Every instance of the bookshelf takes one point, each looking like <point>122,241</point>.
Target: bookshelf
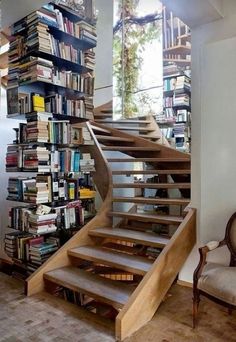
<point>50,88</point>
<point>175,120</point>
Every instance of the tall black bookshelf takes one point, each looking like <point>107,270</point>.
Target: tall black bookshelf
<point>50,86</point>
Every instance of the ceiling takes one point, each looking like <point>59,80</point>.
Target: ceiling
<point>196,12</point>
<point>13,10</point>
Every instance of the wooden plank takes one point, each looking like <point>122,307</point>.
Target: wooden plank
<point>154,200</point>
<point>130,128</point>
<point>147,160</point>
<point>150,292</point>
<point>165,219</point>
<point>99,129</point>
<point>105,290</point>
<point>146,239</point>
<point>145,136</point>
<point>103,115</point>
<point>123,261</point>
<point>152,185</point>
<point>111,138</point>
<point>130,148</point>
<point>125,121</point>
<point>152,172</point>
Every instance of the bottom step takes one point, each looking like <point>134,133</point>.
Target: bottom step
<point>105,290</point>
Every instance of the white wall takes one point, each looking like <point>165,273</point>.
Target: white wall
<point>103,70</point>
<point>213,131</point>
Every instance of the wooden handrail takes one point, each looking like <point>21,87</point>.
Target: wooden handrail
<point>151,290</point>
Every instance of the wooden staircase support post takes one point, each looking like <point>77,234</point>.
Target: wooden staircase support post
<point>149,294</point>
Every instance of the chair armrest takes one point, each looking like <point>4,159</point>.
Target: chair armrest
<point>210,246</point>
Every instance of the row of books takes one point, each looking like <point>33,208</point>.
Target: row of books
<point>67,216</point>
<point>24,102</point>
<point>44,159</point>
<point>176,100</point>
<point>41,127</point>
<point>53,17</point>
<point>34,250</point>
<point>182,82</point>
<point>34,69</point>
<point>44,188</point>
<point>171,116</point>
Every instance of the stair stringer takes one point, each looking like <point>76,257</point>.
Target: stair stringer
<point>150,292</point>
<point>103,181</point>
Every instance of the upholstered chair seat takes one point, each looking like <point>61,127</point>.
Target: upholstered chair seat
<point>219,281</point>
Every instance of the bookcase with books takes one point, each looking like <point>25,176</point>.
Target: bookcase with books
<point>50,87</point>
<point>175,120</point>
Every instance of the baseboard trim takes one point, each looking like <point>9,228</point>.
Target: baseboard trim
<point>184,283</point>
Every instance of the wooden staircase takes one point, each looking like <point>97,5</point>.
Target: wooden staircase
<point>144,127</point>
<point>121,239</point>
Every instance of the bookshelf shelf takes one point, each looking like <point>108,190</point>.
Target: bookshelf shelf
<point>53,193</point>
<point>182,62</point>
<point>58,61</point>
<point>72,93</point>
<point>178,49</point>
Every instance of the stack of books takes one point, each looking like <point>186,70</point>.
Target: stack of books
<point>86,32</point>
<point>16,49</point>
<point>36,159</point>
<point>18,218</point>
<point>11,244</point>
<point>42,224</point>
<point>39,253</point>
<point>13,158</point>
<point>181,100</point>
<point>15,188</point>
<point>87,84</point>
<point>37,190</point>
<point>35,69</point>
<point>87,138</point>
<point>89,59</point>
<point>89,107</point>
<point>87,164</point>
<point>183,82</point>
<point>38,38</point>
<point>37,127</point>
<point>171,69</point>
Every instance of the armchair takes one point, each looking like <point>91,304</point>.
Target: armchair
<point>215,281</point>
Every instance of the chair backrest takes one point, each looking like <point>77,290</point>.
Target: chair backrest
<point>230,238</point>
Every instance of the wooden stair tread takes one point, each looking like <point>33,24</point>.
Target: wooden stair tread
<point>165,219</point>
<point>154,200</point>
<point>108,110</point>
<point>112,138</point>
<point>99,129</point>
<point>130,263</point>
<point>146,239</point>
<point>103,114</point>
<point>145,136</point>
<point>130,128</point>
<point>152,185</point>
<point>150,172</point>
<point>125,121</point>
<point>130,148</point>
<point>148,160</point>
<point>105,290</point>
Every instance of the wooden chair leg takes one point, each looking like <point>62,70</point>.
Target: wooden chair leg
<point>196,300</point>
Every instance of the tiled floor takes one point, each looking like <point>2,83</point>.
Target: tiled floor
<point>44,318</point>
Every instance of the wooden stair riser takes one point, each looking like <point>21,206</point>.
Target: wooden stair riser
<point>125,122</point>
<point>130,149</point>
